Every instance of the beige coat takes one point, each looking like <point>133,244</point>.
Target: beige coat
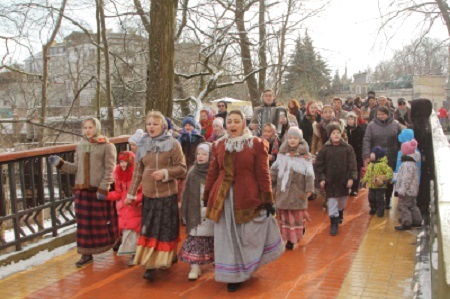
<point>94,164</point>
<point>171,162</point>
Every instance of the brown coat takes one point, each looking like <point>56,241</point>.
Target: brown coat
<point>94,169</point>
<point>171,162</point>
<point>298,184</point>
<point>336,164</point>
<point>247,172</point>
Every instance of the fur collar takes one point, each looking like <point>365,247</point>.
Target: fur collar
<point>123,175</point>
<point>285,163</point>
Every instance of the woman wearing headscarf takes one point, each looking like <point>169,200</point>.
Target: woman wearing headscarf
<point>93,166</point>
<point>238,194</point>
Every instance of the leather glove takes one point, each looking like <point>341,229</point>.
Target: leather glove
<point>269,209</point>
<point>101,196</point>
<point>54,159</point>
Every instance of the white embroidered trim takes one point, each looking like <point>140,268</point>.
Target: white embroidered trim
<point>285,163</point>
<point>237,144</point>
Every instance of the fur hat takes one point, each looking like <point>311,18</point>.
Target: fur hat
<point>218,121</point>
<point>295,131</point>
<point>406,135</point>
<point>379,152</point>
<point>333,126</point>
<point>136,137</point>
<point>188,120</point>
<point>127,156</point>
<point>409,147</point>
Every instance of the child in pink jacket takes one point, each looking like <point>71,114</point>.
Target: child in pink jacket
<point>129,215</point>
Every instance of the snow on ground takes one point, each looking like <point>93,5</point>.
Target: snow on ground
<point>39,258</point>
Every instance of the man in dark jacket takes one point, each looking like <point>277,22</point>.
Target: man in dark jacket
<point>222,107</point>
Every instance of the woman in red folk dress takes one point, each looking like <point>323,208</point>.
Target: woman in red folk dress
<point>159,163</point>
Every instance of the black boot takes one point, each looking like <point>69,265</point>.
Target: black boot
<point>341,216</point>
<point>233,287</point>
<point>289,245</point>
<point>84,260</point>
<point>149,274</point>
<point>334,225</point>
<point>116,246</point>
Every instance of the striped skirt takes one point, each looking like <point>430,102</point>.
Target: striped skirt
<point>240,249</point>
<point>292,224</point>
<point>97,223</point>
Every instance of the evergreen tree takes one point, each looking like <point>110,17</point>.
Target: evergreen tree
<point>307,74</point>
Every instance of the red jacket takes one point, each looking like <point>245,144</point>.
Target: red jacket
<point>247,172</point>
<point>443,113</point>
<point>129,216</point>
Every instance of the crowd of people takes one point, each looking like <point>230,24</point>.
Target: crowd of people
<point>240,189</point>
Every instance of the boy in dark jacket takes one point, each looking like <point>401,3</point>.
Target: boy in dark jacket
<point>336,171</point>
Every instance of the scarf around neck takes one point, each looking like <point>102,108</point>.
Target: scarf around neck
<point>237,144</point>
<point>161,143</point>
<point>190,206</point>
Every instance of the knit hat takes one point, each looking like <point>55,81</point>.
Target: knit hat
<point>127,156</point>
<point>188,120</point>
<point>136,137</point>
<point>352,114</point>
<point>379,152</point>
<point>218,121</point>
<point>406,135</point>
<point>295,131</point>
<point>203,146</point>
<point>333,126</point>
<point>409,147</point>
<point>401,100</point>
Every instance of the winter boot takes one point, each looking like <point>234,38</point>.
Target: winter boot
<point>402,227</point>
<point>195,272</point>
<point>289,245</point>
<point>341,216</point>
<point>233,286</point>
<point>84,260</point>
<point>149,274</point>
<point>131,261</point>
<point>334,225</point>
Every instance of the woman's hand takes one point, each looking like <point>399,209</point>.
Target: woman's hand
<point>308,194</point>
<point>253,126</point>
<point>54,159</point>
<point>158,175</point>
<point>129,200</point>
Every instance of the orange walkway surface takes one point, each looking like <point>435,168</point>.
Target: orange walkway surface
<point>316,268</point>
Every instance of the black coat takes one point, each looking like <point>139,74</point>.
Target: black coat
<point>306,126</point>
<point>355,139</point>
<point>336,164</point>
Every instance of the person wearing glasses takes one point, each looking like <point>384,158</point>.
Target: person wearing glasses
<point>222,108</point>
<point>403,113</point>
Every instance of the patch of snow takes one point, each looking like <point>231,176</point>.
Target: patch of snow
<point>38,259</point>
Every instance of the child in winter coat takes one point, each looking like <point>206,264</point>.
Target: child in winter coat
<point>404,136</point>
<point>198,248</point>
<point>129,215</point>
<point>407,186</point>
<point>206,122</point>
<point>269,133</point>
<point>189,140</point>
<point>134,139</point>
<point>336,170</point>
<point>378,174</point>
<point>355,135</point>
<point>293,175</point>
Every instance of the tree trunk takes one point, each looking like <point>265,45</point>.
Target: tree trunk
<point>262,46</point>
<point>99,64</point>
<point>245,54</point>
<point>45,49</point>
<point>109,102</point>
<point>280,65</point>
<point>161,54</point>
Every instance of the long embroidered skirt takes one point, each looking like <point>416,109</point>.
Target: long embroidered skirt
<point>129,242</point>
<point>97,223</point>
<point>240,249</point>
<point>292,224</point>
<point>160,232</point>
<point>197,250</point>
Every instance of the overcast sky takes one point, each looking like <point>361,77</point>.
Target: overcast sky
<point>347,33</point>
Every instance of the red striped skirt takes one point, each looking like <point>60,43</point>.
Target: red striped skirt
<point>292,224</point>
<point>97,223</point>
